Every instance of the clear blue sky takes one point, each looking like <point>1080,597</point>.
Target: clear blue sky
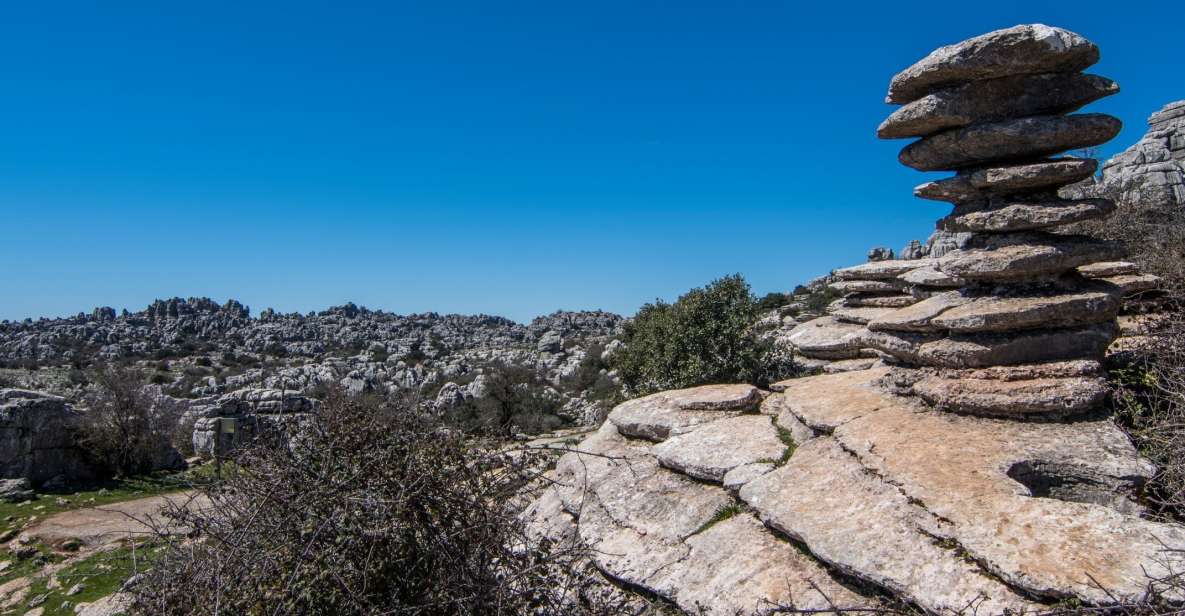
<point>502,157</point>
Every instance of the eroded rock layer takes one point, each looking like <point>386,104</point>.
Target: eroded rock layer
<point>993,109</point>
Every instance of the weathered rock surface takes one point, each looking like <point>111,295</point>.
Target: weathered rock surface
<point>38,441</point>
<point>658,416</point>
<point>1001,215</point>
<point>995,99</point>
<point>984,350</point>
<point>1020,256</point>
<point>1004,314</point>
<point>865,300</point>
<point>1151,173</point>
<point>1052,545</point>
<point>929,276</point>
<point>859,316</point>
<point>710,451</point>
<point>650,527</point>
<point>1020,50</point>
<point>1008,140</point>
<point>866,527</point>
<point>1032,176</point>
<point>1050,397</point>
<point>1108,268</point>
<point>868,286</point>
<point>827,338</point>
<point>876,270</point>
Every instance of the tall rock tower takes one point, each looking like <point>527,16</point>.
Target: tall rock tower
<point>1023,333</point>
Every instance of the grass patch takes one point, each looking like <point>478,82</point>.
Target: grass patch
<point>16,516</point>
<point>29,565</point>
<point>721,515</point>
<point>787,439</point>
<point>96,577</point>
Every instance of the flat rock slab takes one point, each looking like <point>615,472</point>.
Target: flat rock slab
<point>739,567</point>
<point>1033,176</point>
<point>985,350</point>
<point>995,99</point>
<point>985,477</point>
<point>1017,256</point>
<point>712,450</point>
<point>658,416</point>
<point>955,189</point>
<point>877,270</point>
<point>929,276</point>
<point>1005,314</point>
<point>1002,215</point>
<point>828,401</point>
<point>1054,397</point>
<point>989,142</point>
<point>1135,283</point>
<point>860,524</point>
<point>1024,49</point>
<point>653,528</point>
<point>920,316</point>
<point>858,316</point>
<point>866,300</point>
<point>868,286</point>
<point>827,338</point>
<point>1108,268</point>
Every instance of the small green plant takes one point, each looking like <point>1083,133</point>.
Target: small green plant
<point>706,336</point>
<point>723,513</point>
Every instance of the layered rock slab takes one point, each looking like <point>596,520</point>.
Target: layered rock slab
<point>658,416</point>
<point>1020,50</point>
<point>653,528</point>
<point>827,338</point>
<point>1006,140</point>
<point>866,527</point>
<point>712,450</point>
<point>995,99</point>
<point>1041,506</point>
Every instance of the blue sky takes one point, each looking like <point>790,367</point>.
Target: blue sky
<point>509,158</point>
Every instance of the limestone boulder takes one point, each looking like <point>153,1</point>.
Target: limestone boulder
<point>1006,140</point>
<point>1001,215</point>
<point>876,270</point>
<point>38,439</point>
<point>868,286</point>
<point>929,276</point>
<point>995,99</point>
<point>1032,176</point>
<point>868,300</point>
<point>1108,268</point>
<point>712,450</point>
<point>1020,256</point>
<point>1053,397</point>
<point>983,350</point>
<point>1004,314</point>
<point>827,338</point>
<point>1019,50</point>
<point>658,416</point>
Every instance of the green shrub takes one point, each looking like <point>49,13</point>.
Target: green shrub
<point>706,336</point>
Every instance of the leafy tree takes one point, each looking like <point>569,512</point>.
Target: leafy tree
<point>706,336</point>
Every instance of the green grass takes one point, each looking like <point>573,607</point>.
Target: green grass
<point>787,440</point>
<point>100,575</point>
<point>722,514</point>
<point>16,516</point>
<point>21,567</point>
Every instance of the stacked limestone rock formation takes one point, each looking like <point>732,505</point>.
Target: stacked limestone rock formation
<point>832,492</point>
<point>1151,173</point>
<point>1025,333</point>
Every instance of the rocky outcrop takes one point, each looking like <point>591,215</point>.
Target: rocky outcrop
<point>222,424</point>
<point>38,439</point>
<point>1151,173</point>
<point>886,493</point>
<point>1021,300</point>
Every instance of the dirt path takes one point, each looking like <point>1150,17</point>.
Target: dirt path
<point>98,526</point>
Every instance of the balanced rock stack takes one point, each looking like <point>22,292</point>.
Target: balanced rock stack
<point>1025,332</point>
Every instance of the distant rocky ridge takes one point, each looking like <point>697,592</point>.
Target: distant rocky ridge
<point>215,348</point>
